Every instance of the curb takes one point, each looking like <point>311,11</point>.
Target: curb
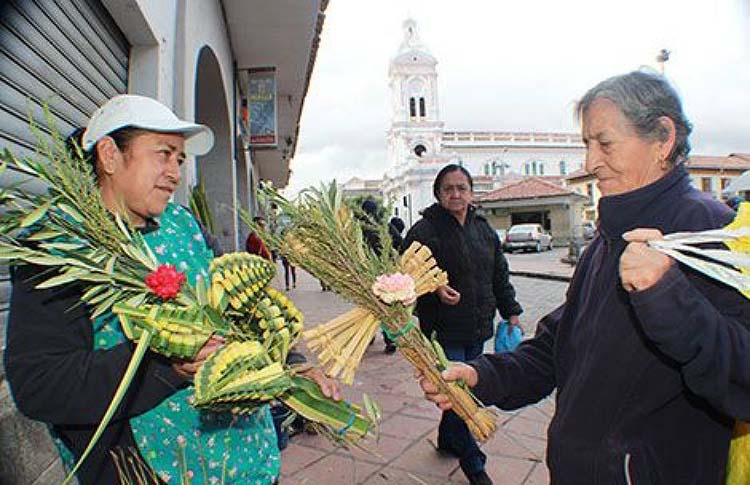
<point>541,276</point>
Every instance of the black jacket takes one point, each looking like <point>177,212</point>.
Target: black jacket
<point>56,377</point>
<point>476,268</point>
<point>648,383</point>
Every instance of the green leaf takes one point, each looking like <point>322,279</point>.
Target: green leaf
<point>372,408</point>
<point>96,278</point>
<point>136,254</point>
<point>65,278</point>
<point>136,300</point>
<point>44,234</point>
<point>73,213</point>
<point>109,268</point>
<point>123,228</point>
<point>345,419</point>
<point>106,293</point>
<point>43,260</point>
<point>105,306</point>
<point>19,164</point>
<point>35,215</point>
<point>9,251</point>
<point>201,290</point>
<point>62,246</point>
<point>93,291</point>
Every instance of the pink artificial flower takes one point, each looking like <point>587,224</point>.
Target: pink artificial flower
<point>396,287</point>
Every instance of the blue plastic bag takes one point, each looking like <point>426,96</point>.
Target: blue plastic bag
<point>507,341</point>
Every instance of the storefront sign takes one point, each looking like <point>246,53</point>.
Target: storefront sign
<point>262,106</point>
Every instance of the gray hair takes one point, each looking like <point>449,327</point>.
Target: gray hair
<point>644,97</point>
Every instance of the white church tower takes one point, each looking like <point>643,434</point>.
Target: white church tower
<point>416,127</point>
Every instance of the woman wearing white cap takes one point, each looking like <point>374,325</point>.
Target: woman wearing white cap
<point>63,368</point>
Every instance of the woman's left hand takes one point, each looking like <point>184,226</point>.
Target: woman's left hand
<point>328,386</point>
<point>640,266</point>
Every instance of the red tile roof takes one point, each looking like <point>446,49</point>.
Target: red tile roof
<point>578,174</point>
<point>733,161</point>
<point>555,179</point>
<point>528,188</point>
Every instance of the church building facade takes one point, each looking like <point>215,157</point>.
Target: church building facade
<point>418,145</point>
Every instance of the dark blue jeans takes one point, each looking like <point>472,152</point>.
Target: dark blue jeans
<point>453,434</point>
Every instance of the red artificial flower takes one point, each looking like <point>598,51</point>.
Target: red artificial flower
<point>165,281</point>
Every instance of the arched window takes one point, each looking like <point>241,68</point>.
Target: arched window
<point>416,89</point>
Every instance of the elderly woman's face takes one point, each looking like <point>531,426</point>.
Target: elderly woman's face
<point>455,192</point>
<point>146,174</point>
<point>620,159</point>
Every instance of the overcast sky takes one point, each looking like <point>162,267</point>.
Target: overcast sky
<point>512,66</point>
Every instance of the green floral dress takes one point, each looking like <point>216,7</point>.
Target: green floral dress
<point>216,447</point>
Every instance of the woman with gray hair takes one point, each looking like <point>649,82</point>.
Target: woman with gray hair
<point>650,359</point>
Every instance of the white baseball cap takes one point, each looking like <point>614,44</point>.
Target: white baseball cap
<point>146,113</point>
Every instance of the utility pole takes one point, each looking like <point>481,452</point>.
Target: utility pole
<point>662,59</point>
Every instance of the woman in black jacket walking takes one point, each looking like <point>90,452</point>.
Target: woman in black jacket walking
<point>461,314</point>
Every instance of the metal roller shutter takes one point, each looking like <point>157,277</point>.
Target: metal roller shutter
<point>69,54</point>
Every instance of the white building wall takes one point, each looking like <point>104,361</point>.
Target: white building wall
<point>150,27</point>
<point>204,26</point>
<point>515,159</point>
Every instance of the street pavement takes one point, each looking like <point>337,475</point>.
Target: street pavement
<point>544,265</point>
<point>405,452</point>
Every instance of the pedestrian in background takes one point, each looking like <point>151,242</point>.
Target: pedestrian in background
<point>649,358</point>
<point>370,220</point>
<point>395,229</point>
<point>461,315</point>
<point>290,273</point>
<point>254,244</point>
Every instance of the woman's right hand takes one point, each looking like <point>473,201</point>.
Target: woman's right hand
<point>456,371</point>
<point>448,296</point>
<point>188,368</point>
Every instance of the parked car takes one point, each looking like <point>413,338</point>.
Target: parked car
<point>589,230</point>
<point>527,236</point>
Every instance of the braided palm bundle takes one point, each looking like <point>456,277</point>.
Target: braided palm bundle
<point>324,237</point>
